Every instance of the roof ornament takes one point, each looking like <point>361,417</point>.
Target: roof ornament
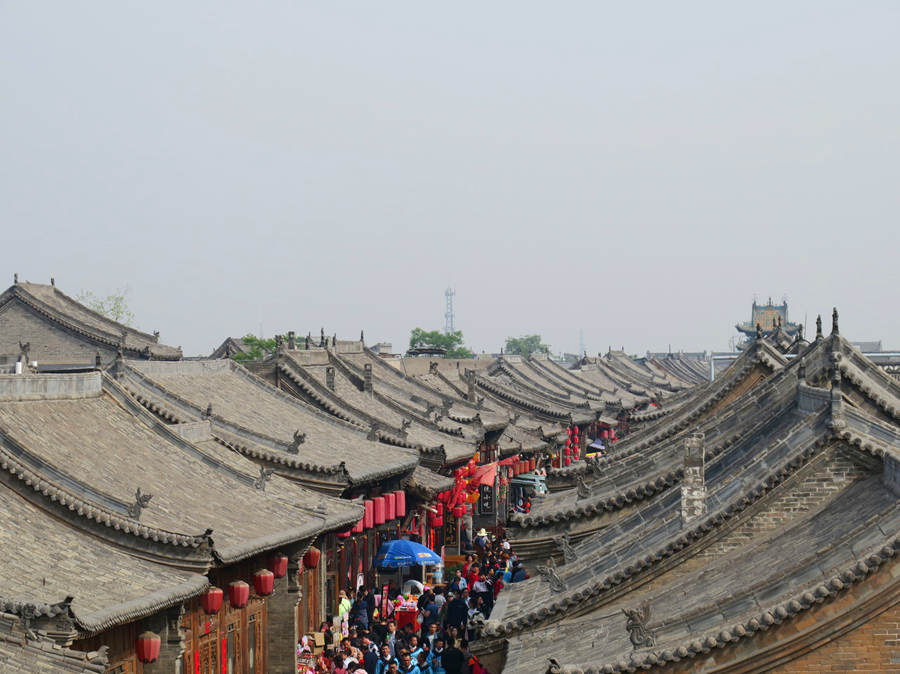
<point>15,279</point>
<point>24,351</point>
<point>404,427</point>
<point>818,327</point>
<point>307,341</point>
<point>209,411</point>
<point>801,372</point>
<point>299,439</point>
<point>553,666</point>
<point>322,337</point>
<point>52,281</point>
<point>565,546</point>
<point>636,624</point>
<point>433,367</point>
<point>362,337</point>
<point>99,657</point>
<point>834,322</point>
<point>373,432</point>
<point>264,475</point>
<point>147,353</point>
<point>800,332</point>
<point>548,574</point>
<point>141,501</point>
<point>582,488</point>
<point>120,362</point>
<point>479,402</point>
<point>334,340</point>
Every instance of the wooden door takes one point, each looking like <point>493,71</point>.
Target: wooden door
<point>206,657</point>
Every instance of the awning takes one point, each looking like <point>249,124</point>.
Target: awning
<point>485,474</point>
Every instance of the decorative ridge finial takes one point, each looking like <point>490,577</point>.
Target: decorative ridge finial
<point>818,327</point>
<point>834,322</point>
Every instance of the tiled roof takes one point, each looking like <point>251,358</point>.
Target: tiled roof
<point>46,560</point>
<point>249,410</point>
<point>58,307</point>
<point>75,450</point>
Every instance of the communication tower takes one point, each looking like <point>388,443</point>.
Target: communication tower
<point>448,316</point>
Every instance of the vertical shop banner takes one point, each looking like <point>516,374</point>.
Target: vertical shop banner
<point>486,499</point>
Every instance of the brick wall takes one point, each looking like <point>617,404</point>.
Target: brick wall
<point>49,344</point>
<point>812,488</point>
<point>871,647</point>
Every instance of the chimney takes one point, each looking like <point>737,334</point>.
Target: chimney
<point>329,377</point>
<point>292,340</point>
<point>470,380</point>
<point>367,377</point>
<point>693,485</point>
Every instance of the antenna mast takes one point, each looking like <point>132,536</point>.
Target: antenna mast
<point>448,316</point>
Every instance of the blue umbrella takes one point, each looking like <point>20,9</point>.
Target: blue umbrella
<point>393,554</point>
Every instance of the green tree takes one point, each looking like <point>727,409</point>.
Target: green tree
<point>258,348</point>
<point>526,345</point>
<point>113,306</point>
<point>453,342</point>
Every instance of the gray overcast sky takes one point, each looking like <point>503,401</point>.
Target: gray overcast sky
<point>638,170</point>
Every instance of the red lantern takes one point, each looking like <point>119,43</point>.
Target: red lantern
<point>278,565</point>
<point>568,461</point>
<point>459,511</point>
<point>503,482</point>
<point>438,510</point>
<point>604,433</point>
<point>343,534</point>
<point>379,509</point>
<point>238,593</point>
<point>532,463</point>
<point>147,647</point>
<point>400,500</point>
<point>263,582</point>
<point>369,517</point>
<point>311,558</point>
<point>211,600</point>
<point>437,522</point>
<point>390,506</point>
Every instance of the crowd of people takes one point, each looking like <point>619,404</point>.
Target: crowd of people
<point>449,618</point>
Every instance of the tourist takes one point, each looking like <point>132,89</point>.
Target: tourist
<point>391,637</point>
<point>458,584</point>
<point>370,654</point>
<point>481,540</point>
<point>452,660</point>
<point>406,664</point>
<point>339,667</point>
<point>431,635</point>
<point>414,647</point>
<point>456,612</point>
<point>384,660</point>
<point>343,606</point>
<point>435,655</point>
<point>422,663</point>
